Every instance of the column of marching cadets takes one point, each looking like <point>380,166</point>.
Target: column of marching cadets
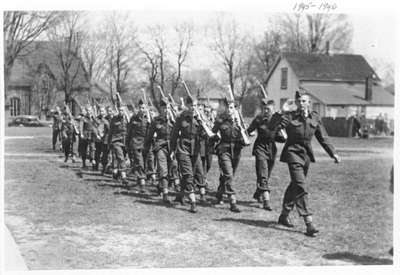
<point>172,148</point>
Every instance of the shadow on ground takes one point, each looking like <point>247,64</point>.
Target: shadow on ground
<point>357,259</point>
<point>260,223</point>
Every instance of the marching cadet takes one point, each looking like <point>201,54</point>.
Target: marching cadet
<point>301,126</point>
<point>185,143</point>
<point>116,141</point>
<point>228,151</point>
<point>267,124</point>
<point>88,135</point>
<point>57,120</point>
<point>105,154</point>
<point>161,126</point>
<point>68,135</point>
<point>208,143</point>
<point>99,138</point>
<point>150,163</point>
<point>137,131</point>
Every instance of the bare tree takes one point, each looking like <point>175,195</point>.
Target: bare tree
<point>310,32</point>
<point>184,33</point>
<point>150,64</point>
<point>228,45</point>
<point>266,52</point>
<point>93,55</point>
<point>20,29</point>
<point>67,42</point>
<point>120,51</point>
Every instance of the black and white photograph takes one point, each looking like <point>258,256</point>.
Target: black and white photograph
<point>156,137</point>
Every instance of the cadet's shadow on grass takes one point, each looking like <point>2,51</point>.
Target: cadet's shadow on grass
<point>160,203</point>
<point>260,223</point>
<point>358,259</point>
<point>252,204</point>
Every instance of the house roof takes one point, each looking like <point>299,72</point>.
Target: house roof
<point>322,67</point>
<point>349,95</point>
<point>40,52</point>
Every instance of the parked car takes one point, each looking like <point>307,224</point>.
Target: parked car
<point>29,121</point>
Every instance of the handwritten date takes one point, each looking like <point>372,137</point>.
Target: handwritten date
<point>312,7</point>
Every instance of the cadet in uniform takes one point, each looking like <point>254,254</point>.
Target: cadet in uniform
<point>88,136</point>
<point>68,135</point>
<point>137,131</point>
<point>267,125</point>
<point>207,143</point>
<point>99,139</point>
<point>57,120</point>
<point>105,154</point>
<point>116,141</point>
<point>161,126</point>
<point>185,140</point>
<point>228,151</point>
<point>297,152</point>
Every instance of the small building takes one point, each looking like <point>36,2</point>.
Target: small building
<point>215,97</point>
<point>34,86</point>
<point>340,85</point>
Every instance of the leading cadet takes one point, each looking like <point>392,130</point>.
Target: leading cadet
<point>297,152</point>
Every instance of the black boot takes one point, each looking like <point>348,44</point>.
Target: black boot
<point>193,208</point>
<point>257,196</point>
<point>266,205</point>
<point>311,230</point>
<point>285,221</point>
<point>234,208</point>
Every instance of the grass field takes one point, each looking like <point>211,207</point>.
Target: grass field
<point>66,218</point>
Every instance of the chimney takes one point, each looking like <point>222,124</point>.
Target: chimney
<point>368,88</point>
<point>327,48</point>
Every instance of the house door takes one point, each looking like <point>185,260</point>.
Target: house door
<point>15,106</point>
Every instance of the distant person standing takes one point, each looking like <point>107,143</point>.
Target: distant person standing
<point>297,152</point>
<point>57,121</point>
<point>356,126</point>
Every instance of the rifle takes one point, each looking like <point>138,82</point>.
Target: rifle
<point>120,103</point>
<point>199,116</point>
<point>147,106</point>
<point>265,94</point>
<point>239,118</point>
<point>68,111</point>
<point>171,113</point>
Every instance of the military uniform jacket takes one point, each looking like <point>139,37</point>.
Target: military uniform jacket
<point>267,133</point>
<point>162,127</point>
<point>230,133</point>
<point>300,132</point>
<point>67,130</point>
<point>186,134</point>
<point>117,130</point>
<point>57,121</point>
<point>137,131</point>
<point>106,120</point>
<point>87,127</point>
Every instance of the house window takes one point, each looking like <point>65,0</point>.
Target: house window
<point>284,78</point>
<point>316,107</point>
<point>282,101</point>
<point>15,106</point>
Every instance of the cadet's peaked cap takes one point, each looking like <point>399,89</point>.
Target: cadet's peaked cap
<point>266,101</point>
<point>164,101</point>
<point>299,93</point>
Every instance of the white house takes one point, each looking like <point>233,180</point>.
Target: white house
<point>340,85</point>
